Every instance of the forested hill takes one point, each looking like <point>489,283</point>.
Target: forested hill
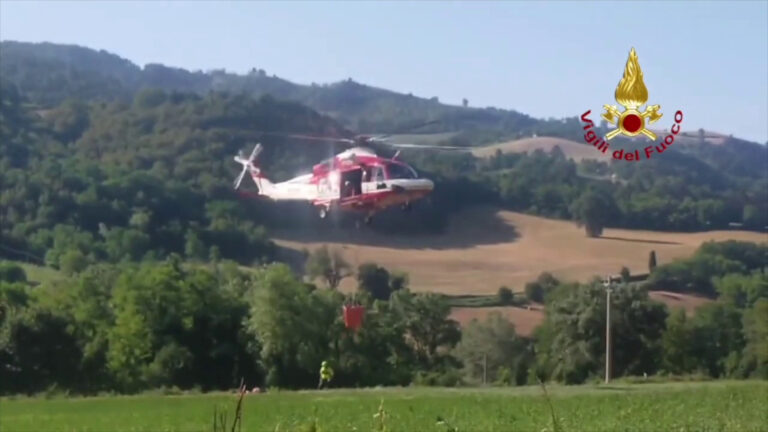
<point>97,163</point>
<point>93,181</point>
<point>49,73</point>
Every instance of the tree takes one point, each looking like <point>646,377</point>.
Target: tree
<point>10,272</point>
<point>505,296</point>
<point>712,259</point>
<point>295,326</point>
<point>398,280</point>
<point>37,351</point>
<point>493,347</point>
<point>328,265</point>
<point>193,246</point>
<point>593,210</point>
<point>717,338</point>
<point>375,280</point>
<point>534,292</point>
<point>575,324</point>
<point>177,326</point>
<point>679,356</point>
<point>752,218</point>
<point>538,290</point>
<point>742,291</point>
<point>755,355</point>
<point>428,328</point>
<point>214,254</point>
<point>625,275</point>
<point>651,261</point>
<point>72,261</point>
<point>69,120</point>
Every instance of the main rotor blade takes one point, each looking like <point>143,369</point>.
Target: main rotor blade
<point>255,152</point>
<point>412,127</point>
<point>426,146</point>
<point>310,137</point>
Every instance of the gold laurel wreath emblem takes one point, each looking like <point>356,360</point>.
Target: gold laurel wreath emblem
<point>631,93</point>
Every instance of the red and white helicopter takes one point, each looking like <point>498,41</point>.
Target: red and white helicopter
<point>356,179</point>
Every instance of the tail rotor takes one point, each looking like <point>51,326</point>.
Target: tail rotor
<point>247,164</point>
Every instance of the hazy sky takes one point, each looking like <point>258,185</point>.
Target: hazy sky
<point>709,59</point>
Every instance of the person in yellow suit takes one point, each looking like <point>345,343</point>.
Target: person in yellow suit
<point>326,374</point>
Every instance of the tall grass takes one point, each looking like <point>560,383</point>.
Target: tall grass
<point>680,406</point>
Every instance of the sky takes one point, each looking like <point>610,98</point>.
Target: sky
<point>546,59</point>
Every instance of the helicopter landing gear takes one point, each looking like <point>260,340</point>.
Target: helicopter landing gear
<point>366,220</point>
<point>323,212</point>
<point>406,207</point>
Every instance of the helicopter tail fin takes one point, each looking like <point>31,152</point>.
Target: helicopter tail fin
<point>248,167</point>
<point>264,185</point>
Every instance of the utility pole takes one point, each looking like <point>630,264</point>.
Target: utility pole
<point>608,283</point>
<point>485,369</point>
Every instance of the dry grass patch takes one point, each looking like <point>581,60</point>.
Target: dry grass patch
<point>486,248</point>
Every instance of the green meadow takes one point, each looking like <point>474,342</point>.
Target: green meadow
<point>708,406</point>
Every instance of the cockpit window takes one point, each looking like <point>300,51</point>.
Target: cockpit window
<point>397,171</point>
<point>378,174</point>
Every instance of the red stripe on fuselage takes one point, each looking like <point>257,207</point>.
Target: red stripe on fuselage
<point>377,200</point>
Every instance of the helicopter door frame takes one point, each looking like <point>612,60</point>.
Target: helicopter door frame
<point>356,187</point>
<point>379,177</point>
<point>327,188</point>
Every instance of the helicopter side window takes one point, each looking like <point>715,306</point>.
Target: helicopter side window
<point>397,171</point>
<point>378,174</point>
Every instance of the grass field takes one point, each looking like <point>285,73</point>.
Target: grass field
<point>711,406</point>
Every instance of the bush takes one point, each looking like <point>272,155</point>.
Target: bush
<point>534,292</point>
<point>538,290</point>
<point>504,377</point>
<point>506,296</point>
<point>10,272</point>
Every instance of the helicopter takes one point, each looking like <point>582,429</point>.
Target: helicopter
<point>357,179</point>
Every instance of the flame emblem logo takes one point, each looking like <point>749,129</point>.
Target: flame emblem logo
<point>631,93</point>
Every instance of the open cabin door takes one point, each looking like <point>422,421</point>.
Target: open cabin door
<point>351,183</point>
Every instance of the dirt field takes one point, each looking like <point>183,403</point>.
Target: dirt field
<point>486,248</point>
<point>527,319</point>
<point>675,300</point>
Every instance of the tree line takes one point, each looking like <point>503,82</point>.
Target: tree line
<point>129,327</point>
<point>87,182</point>
<point>679,192</point>
<point>51,74</point>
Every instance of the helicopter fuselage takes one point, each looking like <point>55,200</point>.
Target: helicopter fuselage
<point>356,179</point>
